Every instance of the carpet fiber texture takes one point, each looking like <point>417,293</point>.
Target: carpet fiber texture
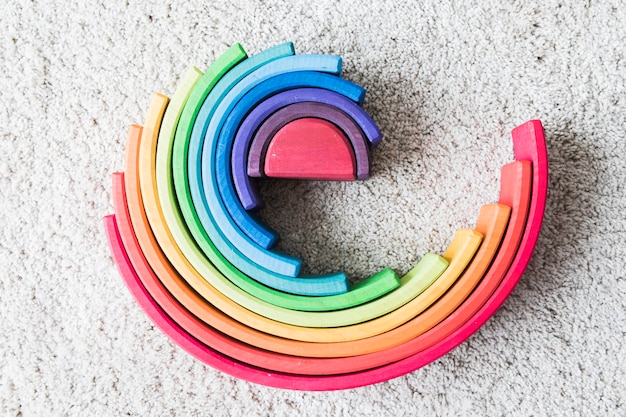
<point>446,82</point>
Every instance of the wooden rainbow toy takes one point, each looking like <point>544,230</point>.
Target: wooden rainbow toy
<point>201,265</point>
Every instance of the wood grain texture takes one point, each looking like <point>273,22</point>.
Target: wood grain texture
<point>147,179</point>
<point>400,342</point>
<point>141,208</point>
<point>225,345</point>
<point>177,288</point>
<point>167,308</point>
<point>189,333</point>
<point>328,284</point>
<point>301,319</point>
<point>311,149</point>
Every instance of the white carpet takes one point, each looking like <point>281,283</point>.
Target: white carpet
<point>446,82</point>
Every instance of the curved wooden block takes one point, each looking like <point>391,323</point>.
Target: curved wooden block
<point>518,197</point>
<point>530,151</point>
<point>163,160</point>
<point>529,143</point>
<point>419,334</point>
<point>166,116</point>
<point>193,335</point>
<point>246,190</point>
<point>336,279</point>
<point>329,284</point>
<point>147,180</point>
<point>418,279</point>
<point>204,333</point>
<point>135,270</point>
<point>458,255</point>
<point>288,114</point>
<point>137,273</point>
<point>345,317</point>
<point>137,208</point>
<point>408,339</point>
<point>176,293</point>
<point>169,288</point>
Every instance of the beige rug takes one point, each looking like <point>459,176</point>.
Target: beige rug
<point>446,83</point>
